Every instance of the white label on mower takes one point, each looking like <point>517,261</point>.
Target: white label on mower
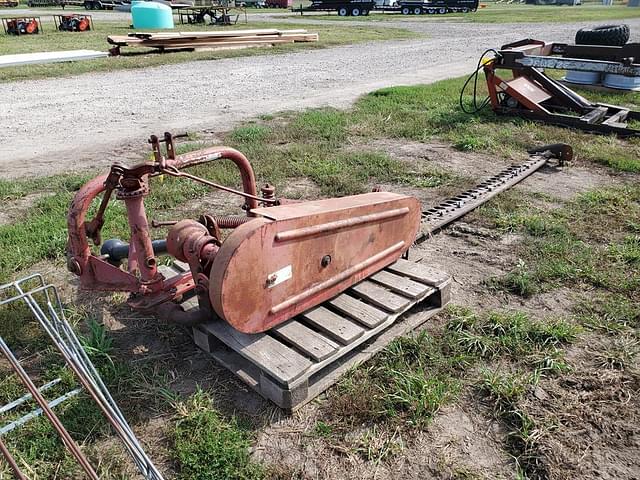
<point>279,276</point>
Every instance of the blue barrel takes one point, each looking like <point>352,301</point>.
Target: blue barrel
<point>582,78</point>
<point>621,82</point>
<point>151,15</point>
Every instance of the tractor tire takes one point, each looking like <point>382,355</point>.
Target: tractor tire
<point>417,11</point>
<point>355,12</point>
<point>343,12</point>
<point>406,10</point>
<point>610,35</point>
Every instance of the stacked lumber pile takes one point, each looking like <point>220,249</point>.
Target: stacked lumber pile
<point>231,39</point>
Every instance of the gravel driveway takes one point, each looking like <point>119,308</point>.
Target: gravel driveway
<point>119,110</point>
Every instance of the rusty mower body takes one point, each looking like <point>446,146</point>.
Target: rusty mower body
<point>280,258</point>
<point>529,93</point>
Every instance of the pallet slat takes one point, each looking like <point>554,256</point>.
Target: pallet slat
<point>361,312</point>
<point>339,328</point>
<point>417,271</point>
<point>309,341</point>
<point>380,296</point>
<point>275,364</point>
<point>400,284</point>
<point>281,362</point>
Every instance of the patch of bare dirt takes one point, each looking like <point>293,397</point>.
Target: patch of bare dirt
<point>562,183</point>
<point>14,209</point>
<point>458,442</point>
<point>591,417</point>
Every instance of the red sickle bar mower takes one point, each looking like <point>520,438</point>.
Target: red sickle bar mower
<point>280,258</point>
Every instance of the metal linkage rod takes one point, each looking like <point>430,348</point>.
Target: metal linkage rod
<point>48,411</point>
<point>174,172</point>
<point>11,461</point>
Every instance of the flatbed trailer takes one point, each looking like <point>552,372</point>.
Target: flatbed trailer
<point>418,7</point>
<point>344,8</point>
<point>87,4</point>
<point>406,7</point>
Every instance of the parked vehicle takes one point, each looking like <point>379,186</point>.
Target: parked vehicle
<point>279,3</point>
<point>419,7</point>
<point>251,3</point>
<point>406,7</point>
<point>354,8</point>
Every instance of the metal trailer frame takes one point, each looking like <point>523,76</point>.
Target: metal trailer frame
<point>32,290</point>
<point>58,21</point>
<point>533,95</point>
<point>342,7</point>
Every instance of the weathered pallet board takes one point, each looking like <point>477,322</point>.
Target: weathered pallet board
<point>294,362</point>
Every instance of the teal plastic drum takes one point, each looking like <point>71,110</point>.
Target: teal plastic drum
<point>151,15</point>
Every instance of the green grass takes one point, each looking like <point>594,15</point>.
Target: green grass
<point>405,385</point>
<point>52,40</point>
<point>495,13</point>
<point>586,242</point>
<point>507,390</point>
<point>608,313</point>
<point>425,113</point>
<point>316,145</point>
<point>414,376</point>
<point>208,447</point>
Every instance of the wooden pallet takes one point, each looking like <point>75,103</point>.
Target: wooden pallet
<point>296,361</point>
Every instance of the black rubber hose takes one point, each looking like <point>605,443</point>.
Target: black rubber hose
<point>474,76</point>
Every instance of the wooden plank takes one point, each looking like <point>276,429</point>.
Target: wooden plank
<point>279,361</point>
<point>341,329</point>
<point>400,284</point>
<point>308,341</point>
<point>212,45</point>
<point>168,271</point>
<point>247,38</point>
<point>229,33</point>
<point>617,118</point>
<point>380,296</point>
<point>359,311</point>
<point>332,373</point>
<point>185,41</point>
<point>595,115</point>
<point>419,272</point>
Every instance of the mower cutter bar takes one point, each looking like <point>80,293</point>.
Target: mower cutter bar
<point>436,218</point>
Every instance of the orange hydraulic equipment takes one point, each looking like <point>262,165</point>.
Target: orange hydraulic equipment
<point>518,86</point>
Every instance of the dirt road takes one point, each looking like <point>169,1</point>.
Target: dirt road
<point>119,110</point>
